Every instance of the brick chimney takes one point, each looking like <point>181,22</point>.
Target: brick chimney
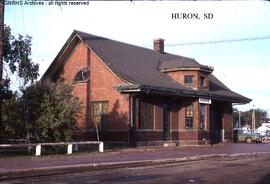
<point>159,45</point>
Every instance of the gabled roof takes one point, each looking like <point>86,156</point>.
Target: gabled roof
<point>141,67</point>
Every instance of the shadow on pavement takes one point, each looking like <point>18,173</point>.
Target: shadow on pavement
<point>265,179</point>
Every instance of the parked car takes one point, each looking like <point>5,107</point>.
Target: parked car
<point>246,136</point>
<point>266,137</point>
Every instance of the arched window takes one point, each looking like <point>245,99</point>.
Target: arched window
<point>82,75</point>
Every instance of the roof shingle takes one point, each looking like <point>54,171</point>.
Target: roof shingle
<point>141,66</point>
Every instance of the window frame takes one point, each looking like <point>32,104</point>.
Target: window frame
<point>186,81</point>
<point>202,81</point>
<point>189,120</point>
<point>146,115</point>
<point>203,123</point>
<point>103,112</point>
<point>82,76</point>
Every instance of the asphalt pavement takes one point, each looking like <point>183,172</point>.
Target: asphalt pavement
<point>12,167</point>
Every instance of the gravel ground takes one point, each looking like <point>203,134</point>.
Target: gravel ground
<point>125,155</point>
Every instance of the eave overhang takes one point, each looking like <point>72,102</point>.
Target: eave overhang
<point>181,64</point>
<point>146,89</point>
<point>202,69</point>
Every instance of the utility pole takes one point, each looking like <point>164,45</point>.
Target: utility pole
<point>253,120</point>
<point>239,118</point>
<point>2,3</point>
<point>2,6</point>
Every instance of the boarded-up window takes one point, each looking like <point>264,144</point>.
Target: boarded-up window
<point>189,116</point>
<point>146,113</point>
<point>99,110</point>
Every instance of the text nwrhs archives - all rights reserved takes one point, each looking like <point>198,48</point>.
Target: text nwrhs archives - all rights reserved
<point>42,2</point>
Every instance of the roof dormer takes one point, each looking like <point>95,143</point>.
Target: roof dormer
<point>187,72</point>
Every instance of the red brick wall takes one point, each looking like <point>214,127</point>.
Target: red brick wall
<point>178,124</point>
<point>228,121</point>
<point>158,116</point>
<point>189,135</point>
<point>77,61</point>
<point>195,133</point>
<point>148,136</point>
<point>99,87</point>
<point>80,90</point>
<point>102,83</point>
<point>179,76</point>
<point>177,121</point>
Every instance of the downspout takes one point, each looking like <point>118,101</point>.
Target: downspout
<point>131,111</point>
<point>88,90</point>
<point>89,94</point>
<point>131,124</point>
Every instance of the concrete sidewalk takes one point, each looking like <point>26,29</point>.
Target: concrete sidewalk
<point>32,165</point>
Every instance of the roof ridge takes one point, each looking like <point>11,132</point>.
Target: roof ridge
<point>122,42</point>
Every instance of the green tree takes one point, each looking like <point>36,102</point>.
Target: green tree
<point>47,110</point>
<point>246,116</point>
<point>17,58</point>
<point>52,111</point>
<point>12,118</point>
<point>17,54</point>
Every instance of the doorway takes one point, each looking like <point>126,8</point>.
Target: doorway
<point>215,123</point>
<point>166,122</point>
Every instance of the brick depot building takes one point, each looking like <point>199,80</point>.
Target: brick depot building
<point>138,96</point>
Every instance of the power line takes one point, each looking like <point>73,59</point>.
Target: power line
<point>220,41</point>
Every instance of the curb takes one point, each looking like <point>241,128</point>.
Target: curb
<point>13,174</point>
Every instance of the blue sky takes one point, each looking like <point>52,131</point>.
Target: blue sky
<point>243,66</point>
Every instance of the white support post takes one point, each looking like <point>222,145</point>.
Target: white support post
<point>222,135</point>
<point>101,147</point>
<point>38,150</point>
<point>69,149</point>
